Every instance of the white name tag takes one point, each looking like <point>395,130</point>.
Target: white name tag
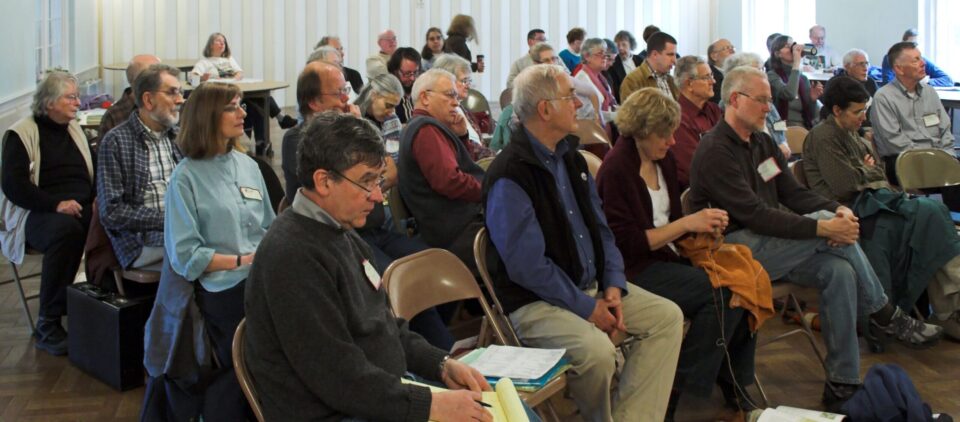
<point>392,125</point>
<point>931,120</point>
<point>780,126</point>
<point>372,275</point>
<point>768,169</point>
<point>251,193</point>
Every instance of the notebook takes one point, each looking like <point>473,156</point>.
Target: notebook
<point>505,403</point>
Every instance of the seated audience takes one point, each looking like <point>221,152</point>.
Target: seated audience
<point>856,64</point>
<point>460,68</point>
<point>648,31</point>
<point>534,37</point>
<point>351,75</point>
<point>717,54</point>
<point>655,69</point>
<point>624,63</point>
<point>134,164</point>
<point>377,63</point>
<point>697,114</point>
<point>121,110</point>
<point>217,211</point>
<point>825,59</point>
<point>794,96</point>
<point>433,48</point>
<point>639,188</point>
<point>571,54</point>
<point>462,29</point>
<point>775,126</point>
<point>405,65</point>
<point>911,242</point>
<point>590,71</point>
<point>321,343</point>
<point>47,193</point>
<point>439,182</point>
<point>907,114</point>
<point>557,269</point>
<point>812,243</point>
<point>219,63</point>
<point>937,76</point>
<point>539,53</point>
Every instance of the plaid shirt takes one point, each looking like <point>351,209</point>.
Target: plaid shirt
<point>123,176</point>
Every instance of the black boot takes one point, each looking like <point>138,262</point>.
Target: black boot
<point>50,336</point>
<point>836,394</point>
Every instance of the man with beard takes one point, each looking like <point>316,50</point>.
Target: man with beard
<point>405,64</point>
<point>134,163</point>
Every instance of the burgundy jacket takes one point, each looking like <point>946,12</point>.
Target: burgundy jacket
<point>627,205</point>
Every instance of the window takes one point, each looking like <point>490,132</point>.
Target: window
<point>939,35</point>
<point>764,17</point>
<point>50,36</point>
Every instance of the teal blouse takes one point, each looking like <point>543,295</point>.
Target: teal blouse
<point>215,205</point>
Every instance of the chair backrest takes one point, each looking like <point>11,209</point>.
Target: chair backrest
<point>240,367</point>
<point>798,173</point>
<point>795,137</point>
<point>399,211</point>
<point>927,168</point>
<point>484,162</point>
<point>593,162</point>
<point>429,278</point>
<point>499,320</point>
<point>284,204</point>
<point>506,97</point>
<point>685,205</point>
<point>476,102</point>
<point>590,132</point>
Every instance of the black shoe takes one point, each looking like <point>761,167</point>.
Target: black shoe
<point>672,405</point>
<point>905,329</point>
<point>736,398</point>
<point>51,337</point>
<point>287,122</point>
<point>836,394</point>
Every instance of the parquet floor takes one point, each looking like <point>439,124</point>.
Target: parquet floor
<point>35,386</point>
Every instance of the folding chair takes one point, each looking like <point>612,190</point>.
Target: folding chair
<point>593,162</point>
<point>796,135</point>
<point>18,281</point>
<point>927,168</point>
<point>240,367</point>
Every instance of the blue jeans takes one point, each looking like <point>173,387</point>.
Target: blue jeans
<point>847,283</point>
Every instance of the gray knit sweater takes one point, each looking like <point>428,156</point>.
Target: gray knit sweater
<point>321,343</point>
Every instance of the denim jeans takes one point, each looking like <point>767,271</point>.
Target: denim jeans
<point>848,287</point>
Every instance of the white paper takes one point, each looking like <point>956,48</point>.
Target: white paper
<point>520,363</point>
<point>793,414</point>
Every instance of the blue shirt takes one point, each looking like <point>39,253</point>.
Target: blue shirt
<point>570,59</point>
<point>518,237</point>
<point>206,213</point>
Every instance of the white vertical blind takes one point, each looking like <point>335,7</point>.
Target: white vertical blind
<point>18,77</point>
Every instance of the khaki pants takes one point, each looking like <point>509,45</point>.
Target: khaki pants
<point>647,377</point>
<point>944,290</point>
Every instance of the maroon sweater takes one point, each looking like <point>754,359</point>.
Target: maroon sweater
<point>628,208</point>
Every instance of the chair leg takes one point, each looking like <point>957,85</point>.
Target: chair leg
<point>118,278</point>
<point>23,297</point>
<point>763,393</point>
<point>807,331</point>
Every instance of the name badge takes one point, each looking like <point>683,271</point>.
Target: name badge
<point>931,119</point>
<point>768,169</point>
<point>372,275</point>
<point>780,126</point>
<point>250,193</point>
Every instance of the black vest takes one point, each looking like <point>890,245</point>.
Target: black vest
<point>518,163</point>
<point>440,219</point>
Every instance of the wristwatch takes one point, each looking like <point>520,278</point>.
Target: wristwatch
<point>443,363</point>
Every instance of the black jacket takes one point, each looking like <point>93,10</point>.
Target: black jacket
<point>354,78</point>
<point>617,74</point>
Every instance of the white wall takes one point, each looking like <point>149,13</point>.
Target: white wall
<point>871,26</point>
<point>17,80</point>
<point>272,38</point>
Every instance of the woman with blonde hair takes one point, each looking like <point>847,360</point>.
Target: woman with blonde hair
<point>463,29</point>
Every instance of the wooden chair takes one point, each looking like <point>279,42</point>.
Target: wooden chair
<point>240,367</point>
<point>18,281</point>
<point>501,323</point>
<point>401,215</point>
<point>135,275</point>
<point>798,173</point>
<point>927,168</point>
<point>590,132</point>
<point>795,137</point>
<point>593,162</point>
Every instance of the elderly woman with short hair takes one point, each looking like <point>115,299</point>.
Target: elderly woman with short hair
<point>641,200</point>
<point>48,190</point>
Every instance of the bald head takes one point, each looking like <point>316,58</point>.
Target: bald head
<point>718,52</point>
<point>320,88</point>
<point>387,40</point>
<point>138,64</point>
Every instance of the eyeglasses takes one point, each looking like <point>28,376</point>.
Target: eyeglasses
<point>391,39</point>
<point>862,64</point>
<point>449,94</point>
<point>173,92</point>
<point>436,38</point>
<point>572,98</point>
<point>72,97</point>
<point>369,187</point>
<point>703,78</point>
<point>725,48</point>
<point>761,100</point>
<point>233,108</point>
<point>465,81</point>
<point>411,74</point>
<point>342,92</point>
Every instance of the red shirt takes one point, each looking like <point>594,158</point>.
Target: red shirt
<point>436,156</point>
<point>694,123</point>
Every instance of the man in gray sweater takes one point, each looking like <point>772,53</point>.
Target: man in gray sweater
<point>322,342</point>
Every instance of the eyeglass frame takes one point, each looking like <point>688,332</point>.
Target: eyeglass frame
<point>230,108</point>
<point>369,191</point>
<point>758,100</point>
<point>454,97</point>
<point>344,92</point>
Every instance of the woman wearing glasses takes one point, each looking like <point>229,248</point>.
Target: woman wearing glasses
<point>460,68</point>
<point>47,180</point>
<point>433,48</point>
<point>217,211</point>
<point>218,63</point>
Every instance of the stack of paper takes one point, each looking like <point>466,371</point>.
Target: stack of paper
<point>523,363</point>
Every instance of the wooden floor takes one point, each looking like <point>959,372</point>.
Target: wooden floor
<point>35,386</point>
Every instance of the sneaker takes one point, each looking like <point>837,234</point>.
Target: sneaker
<point>287,122</point>
<point>951,325</point>
<point>51,337</point>
<point>836,394</point>
<point>907,330</point>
